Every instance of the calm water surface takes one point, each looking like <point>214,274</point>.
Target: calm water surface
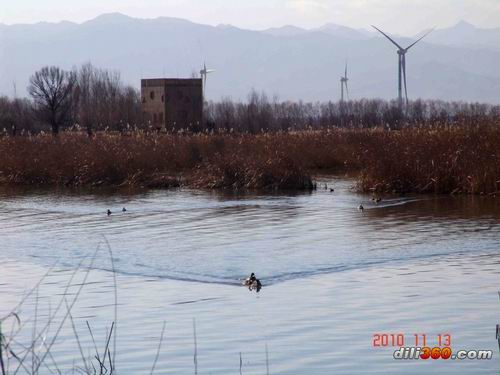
<point>333,277</point>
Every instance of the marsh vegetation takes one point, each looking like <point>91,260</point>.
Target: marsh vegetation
<point>100,139</point>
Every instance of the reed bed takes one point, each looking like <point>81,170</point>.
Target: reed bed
<point>151,160</point>
<point>463,160</point>
<point>459,159</point>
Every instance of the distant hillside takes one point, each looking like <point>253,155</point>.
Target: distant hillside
<point>290,62</point>
<point>463,34</point>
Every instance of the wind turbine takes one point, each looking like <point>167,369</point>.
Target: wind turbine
<point>343,82</point>
<point>402,63</point>
<point>203,74</point>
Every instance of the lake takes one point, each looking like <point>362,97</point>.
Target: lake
<point>333,277</point>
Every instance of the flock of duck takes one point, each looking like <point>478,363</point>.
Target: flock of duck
<point>377,200</point>
<point>109,213</point>
<point>251,281</point>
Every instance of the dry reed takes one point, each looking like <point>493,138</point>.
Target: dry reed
<point>460,159</point>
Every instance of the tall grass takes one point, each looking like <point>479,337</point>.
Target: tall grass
<point>151,160</point>
<point>459,159</point>
<point>443,160</point>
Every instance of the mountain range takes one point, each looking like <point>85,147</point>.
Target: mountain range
<point>456,63</point>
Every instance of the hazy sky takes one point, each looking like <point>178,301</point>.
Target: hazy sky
<point>397,16</point>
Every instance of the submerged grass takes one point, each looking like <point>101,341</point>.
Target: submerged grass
<point>498,330</point>
<point>459,159</point>
<point>17,348</point>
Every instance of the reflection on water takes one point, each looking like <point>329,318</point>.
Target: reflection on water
<point>332,276</point>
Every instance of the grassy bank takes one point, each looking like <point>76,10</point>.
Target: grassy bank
<point>441,160</point>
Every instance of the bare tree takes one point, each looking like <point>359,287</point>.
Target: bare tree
<point>16,116</point>
<point>83,97</point>
<point>51,88</point>
<point>102,101</point>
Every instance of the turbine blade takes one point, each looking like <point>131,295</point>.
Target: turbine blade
<point>347,90</point>
<point>419,39</point>
<point>404,77</point>
<point>387,36</point>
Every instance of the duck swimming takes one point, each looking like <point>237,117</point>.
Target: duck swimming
<point>360,207</point>
<point>124,209</point>
<point>109,212</point>
<point>249,280</point>
<point>253,283</point>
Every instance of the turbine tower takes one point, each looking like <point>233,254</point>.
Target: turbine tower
<point>203,74</point>
<point>343,82</point>
<point>402,64</point>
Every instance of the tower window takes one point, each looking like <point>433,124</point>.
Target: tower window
<point>152,95</point>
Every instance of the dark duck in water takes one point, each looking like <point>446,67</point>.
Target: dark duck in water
<point>252,282</point>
